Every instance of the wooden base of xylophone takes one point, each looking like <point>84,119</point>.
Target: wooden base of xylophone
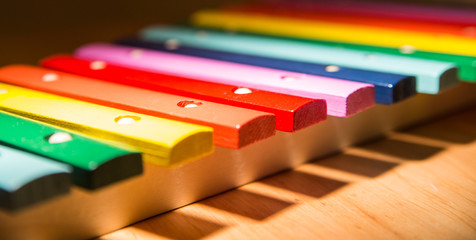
<point>85,214</point>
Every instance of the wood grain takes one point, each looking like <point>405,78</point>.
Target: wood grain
<point>414,184</point>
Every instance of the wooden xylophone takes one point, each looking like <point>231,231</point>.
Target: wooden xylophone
<point>273,101</point>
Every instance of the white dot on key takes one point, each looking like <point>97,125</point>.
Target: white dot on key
<point>92,165</point>
<point>125,120</point>
<point>59,137</point>
<point>469,31</point>
<point>201,34</point>
<point>137,53</point>
<point>50,77</point>
<point>172,44</point>
<point>289,78</point>
<point>371,57</point>
<point>2,91</point>
<point>189,104</point>
<point>231,27</point>
<point>332,68</point>
<point>242,91</point>
<point>407,49</point>
<point>97,65</point>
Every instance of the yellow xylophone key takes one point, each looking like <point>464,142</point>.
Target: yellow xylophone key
<point>338,32</point>
<point>169,142</point>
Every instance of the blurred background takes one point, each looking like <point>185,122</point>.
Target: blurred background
<point>31,30</point>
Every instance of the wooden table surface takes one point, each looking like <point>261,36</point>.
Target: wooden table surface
<point>419,183</point>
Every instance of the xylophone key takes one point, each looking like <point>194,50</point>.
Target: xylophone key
<point>169,142</point>
<point>94,164</point>
<point>344,98</point>
<point>382,9</point>
<point>26,179</point>
<point>338,32</point>
<point>365,20</point>
<point>466,67</point>
<point>466,64</point>
<point>232,127</point>
<point>292,113</point>
<point>432,76</point>
<point>389,88</point>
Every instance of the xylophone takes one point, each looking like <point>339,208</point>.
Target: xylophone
<point>82,119</point>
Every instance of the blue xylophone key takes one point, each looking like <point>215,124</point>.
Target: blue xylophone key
<point>26,179</point>
<point>432,77</point>
<point>389,88</point>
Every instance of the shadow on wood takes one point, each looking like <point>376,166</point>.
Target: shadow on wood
<point>300,182</point>
<point>403,150</point>
<point>247,204</point>
<point>176,225</point>
<point>356,164</point>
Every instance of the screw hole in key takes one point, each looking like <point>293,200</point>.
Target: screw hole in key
<point>189,104</point>
<point>59,137</point>
<point>50,77</point>
<point>136,53</point>
<point>469,31</point>
<point>371,57</point>
<point>125,120</point>
<point>172,44</point>
<point>407,49</point>
<point>289,78</point>
<point>332,68</point>
<point>201,34</point>
<point>97,65</point>
<point>242,91</point>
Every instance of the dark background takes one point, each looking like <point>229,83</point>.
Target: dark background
<point>31,30</point>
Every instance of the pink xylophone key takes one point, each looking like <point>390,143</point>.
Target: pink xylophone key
<point>344,98</point>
